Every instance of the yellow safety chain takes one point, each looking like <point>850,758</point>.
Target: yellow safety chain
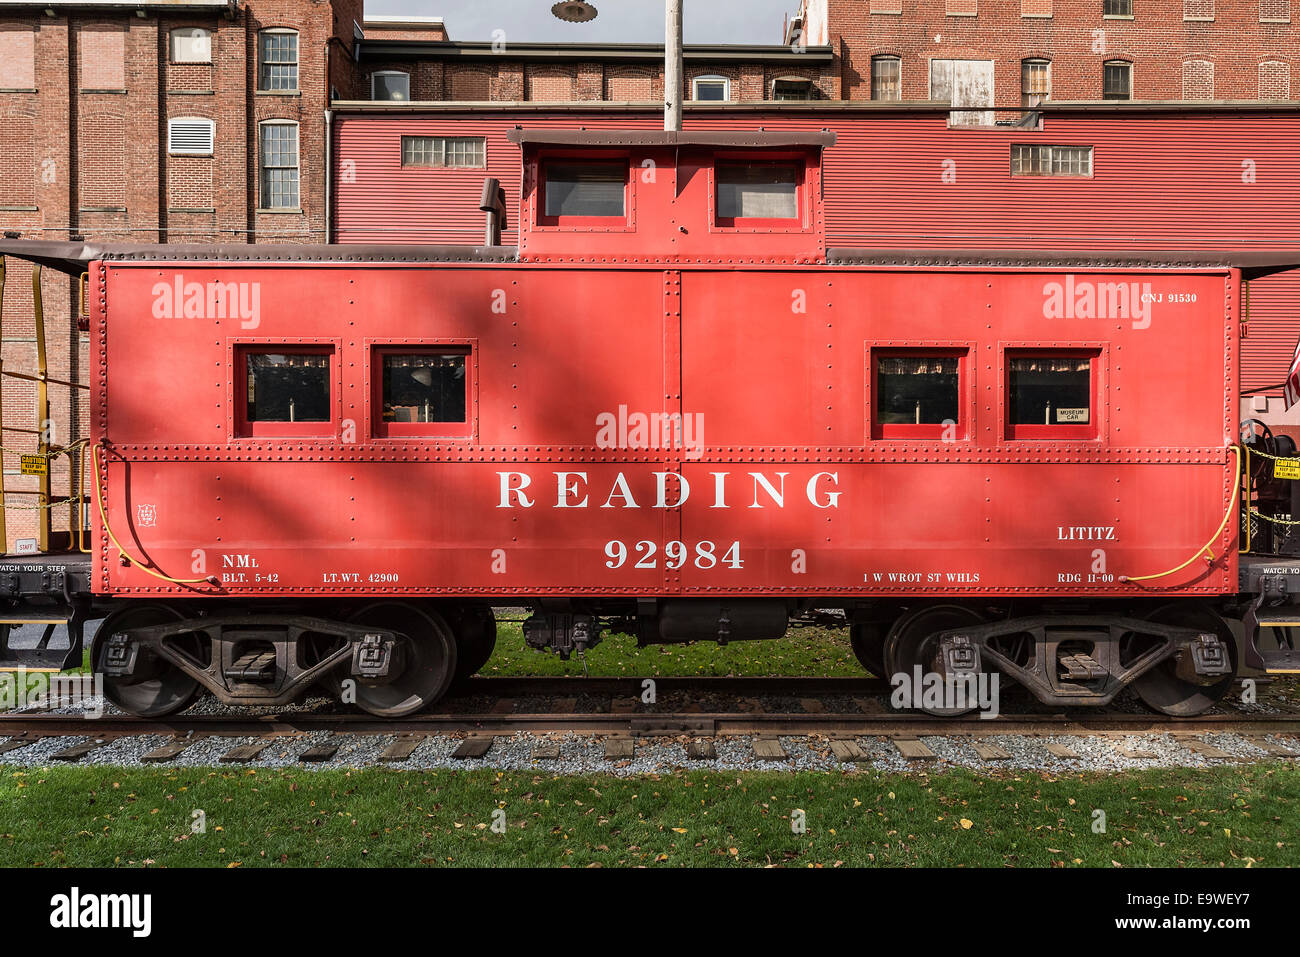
<point>1206,552</point>
<point>103,516</point>
<point>53,453</point>
<point>1272,518</point>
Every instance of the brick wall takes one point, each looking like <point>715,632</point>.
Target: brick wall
<point>85,101</point>
<point>1195,49</point>
<point>505,80</point>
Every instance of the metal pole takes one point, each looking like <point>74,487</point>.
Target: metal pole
<point>673,66</point>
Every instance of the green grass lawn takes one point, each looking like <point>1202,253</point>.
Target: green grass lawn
<point>817,652</point>
<point>100,816</point>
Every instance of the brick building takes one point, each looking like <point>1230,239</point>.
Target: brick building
<point>176,121</point>
<point>414,68</point>
<point>1008,53</point>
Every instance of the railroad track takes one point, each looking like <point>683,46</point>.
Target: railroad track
<point>626,719</point>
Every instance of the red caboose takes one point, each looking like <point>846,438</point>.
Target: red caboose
<point>671,412</point>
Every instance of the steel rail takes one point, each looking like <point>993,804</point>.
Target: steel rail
<point>640,724</point>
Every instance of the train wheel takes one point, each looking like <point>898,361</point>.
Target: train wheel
<point>1162,689</point>
<point>427,659</point>
<point>868,641</point>
<point>158,688</point>
<point>475,629</point>
<point>911,642</point>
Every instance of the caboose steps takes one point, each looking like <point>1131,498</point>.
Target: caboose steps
<point>44,656</point>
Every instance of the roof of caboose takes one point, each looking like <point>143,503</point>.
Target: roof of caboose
<point>74,257</point>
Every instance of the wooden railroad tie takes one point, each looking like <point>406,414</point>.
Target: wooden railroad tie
<point>912,749</point>
<point>1060,751</point>
<point>16,742</point>
<point>701,749</point>
<point>546,751</point>
<point>619,749</point>
<point>77,751</point>
<point>1272,749</point>
<point>474,746</point>
<point>770,749</point>
<point>244,753</point>
<point>166,752</point>
<point>319,752</point>
<point>988,751</point>
<point>1204,748</point>
<point>401,748</point>
<point>848,752</point>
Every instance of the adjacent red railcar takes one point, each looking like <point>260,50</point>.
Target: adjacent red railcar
<point>670,412</point>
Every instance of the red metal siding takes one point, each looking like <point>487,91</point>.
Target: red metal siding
<point>1161,179</point>
<point>352,512</point>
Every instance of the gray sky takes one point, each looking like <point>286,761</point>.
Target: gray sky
<point>620,21</point>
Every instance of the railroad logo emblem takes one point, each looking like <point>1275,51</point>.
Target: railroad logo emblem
<point>146,515</point>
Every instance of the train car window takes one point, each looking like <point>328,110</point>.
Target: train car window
<point>422,391</point>
<point>1051,394</point>
<point>917,394</point>
<point>758,191</point>
<point>286,392</point>
<point>585,190</point>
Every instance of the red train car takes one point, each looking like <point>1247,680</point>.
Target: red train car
<point>671,411</point>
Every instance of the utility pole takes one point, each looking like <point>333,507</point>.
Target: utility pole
<point>673,65</point>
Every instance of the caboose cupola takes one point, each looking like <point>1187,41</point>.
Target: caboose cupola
<point>628,196</point>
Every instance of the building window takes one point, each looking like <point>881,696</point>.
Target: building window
<point>583,189</point>
<point>390,85</point>
<point>1035,82</point>
<point>916,393</point>
<point>422,391</point>
<point>792,88</point>
<point>190,135</point>
<point>1050,394</point>
<point>1117,8</point>
<point>277,60</point>
<point>886,78</point>
<point>1117,80</point>
<point>286,391</point>
<point>190,45</point>
<point>757,191</point>
<point>711,89</point>
<point>279,142</point>
<point>454,152</point>
<point>1036,160</point>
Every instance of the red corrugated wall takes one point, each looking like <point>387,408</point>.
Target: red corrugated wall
<point>1161,179</point>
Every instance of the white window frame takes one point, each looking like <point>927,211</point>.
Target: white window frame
<point>711,78</point>
<point>871,77</point>
<point>401,73</point>
<point>790,79</point>
<point>1128,68</point>
<point>1035,61</point>
<point>438,153</point>
<point>191,34</point>
<point>174,121</point>
<point>263,193</point>
<point>296,63</point>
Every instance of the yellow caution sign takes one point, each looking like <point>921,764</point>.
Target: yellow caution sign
<point>1286,468</point>
<point>39,465</point>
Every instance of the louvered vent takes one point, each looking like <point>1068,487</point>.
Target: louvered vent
<point>190,135</point>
